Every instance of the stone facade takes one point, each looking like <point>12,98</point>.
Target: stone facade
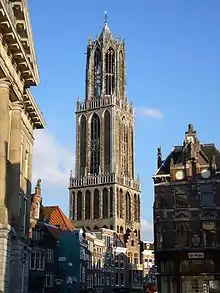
<point>19,116</point>
<point>104,191</point>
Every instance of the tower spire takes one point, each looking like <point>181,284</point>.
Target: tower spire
<point>106,19</point>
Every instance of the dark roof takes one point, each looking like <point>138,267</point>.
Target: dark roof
<point>206,154</point>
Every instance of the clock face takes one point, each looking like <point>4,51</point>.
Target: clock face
<point>205,173</point>
<point>180,175</point>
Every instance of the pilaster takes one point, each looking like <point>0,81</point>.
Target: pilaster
<point>15,162</point>
<point>5,248</point>
<point>4,130</point>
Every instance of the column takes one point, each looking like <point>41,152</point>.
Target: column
<point>4,128</point>
<point>15,163</point>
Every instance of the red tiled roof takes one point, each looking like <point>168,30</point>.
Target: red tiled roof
<point>56,217</point>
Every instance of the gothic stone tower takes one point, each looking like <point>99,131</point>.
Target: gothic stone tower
<point>104,192</point>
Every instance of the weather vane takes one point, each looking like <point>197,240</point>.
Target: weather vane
<point>106,17</point>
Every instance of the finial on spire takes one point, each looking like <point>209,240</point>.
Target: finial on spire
<point>106,18</point>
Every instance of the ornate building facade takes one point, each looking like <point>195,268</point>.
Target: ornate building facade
<point>19,116</point>
<point>104,191</point>
<point>187,217</point>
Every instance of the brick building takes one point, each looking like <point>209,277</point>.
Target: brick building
<point>187,217</point>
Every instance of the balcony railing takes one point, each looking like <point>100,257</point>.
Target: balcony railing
<point>103,179</point>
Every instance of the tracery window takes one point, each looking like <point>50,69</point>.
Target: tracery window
<point>87,204</point>
<point>107,127</point>
<point>95,144</point>
<point>97,73</point>
<point>73,206</point>
<point>105,203</point>
<point>96,204</point>
<point>109,71</point>
<point>83,131</point>
<point>128,207</point>
<point>124,148</point>
<point>111,202</point>
<point>79,206</point>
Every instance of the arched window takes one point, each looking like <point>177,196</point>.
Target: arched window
<point>37,210</point>
<point>96,204</point>
<point>107,127</point>
<point>87,205</point>
<point>79,206</point>
<point>105,203</point>
<point>83,132</point>
<point>121,75</point>
<point>124,147</point>
<point>97,73</point>
<point>128,207</point>
<point>118,203</point>
<point>135,208</point>
<point>109,72</point>
<point>121,204</point>
<point>73,206</point>
<point>111,202</point>
<point>95,144</point>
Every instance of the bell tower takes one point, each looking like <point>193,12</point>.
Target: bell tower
<point>104,192</point>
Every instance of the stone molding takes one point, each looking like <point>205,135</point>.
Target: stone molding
<point>5,83</point>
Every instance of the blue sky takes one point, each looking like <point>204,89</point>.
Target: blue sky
<point>173,70</point>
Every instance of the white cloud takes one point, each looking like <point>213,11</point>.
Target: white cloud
<point>146,230</point>
<point>150,112</point>
<point>52,162</point>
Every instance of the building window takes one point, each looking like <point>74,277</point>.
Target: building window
<point>116,279</point>
<point>122,261</point>
<point>129,257</point>
<point>33,261</point>
<point>207,196</point>
<point>37,210</point>
<point>49,279</point>
<point>50,255</point>
<point>37,261</point>
<point>136,258</point>
<point>40,261</point>
<point>122,279</point>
